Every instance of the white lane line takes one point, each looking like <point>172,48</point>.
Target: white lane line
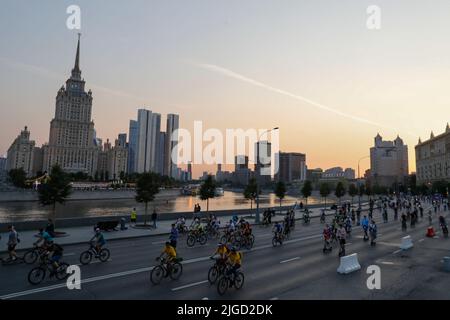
<point>94,262</point>
<point>190,285</point>
<point>387,262</point>
<point>421,240</point>
<point>130,272</point>
<point>388,244</point>
<point>274,298</point>
<point>159,242</point>
<point>289,260</point>
<point>69,254</point>
<point>348,243</point>
<point>397,251</point>
<point>63,285</point>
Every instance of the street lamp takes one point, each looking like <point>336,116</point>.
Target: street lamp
<point>257,219</point>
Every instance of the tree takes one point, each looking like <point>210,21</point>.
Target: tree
<point>306,190</point>
<point>55,189</point>
<point>147,186</point>
<point>122,176</point>
<point>280,191</point>
<point>325,192</point>
<point>251,191</point>
<point>340,191</point>
<point>352,191</point>
<point>208,190</point>
<point>17,177</point>
<point>368,190</point>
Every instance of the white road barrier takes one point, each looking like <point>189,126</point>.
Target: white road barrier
<point>446,261</point>
<point>406,243</point>
<point>349,264</point>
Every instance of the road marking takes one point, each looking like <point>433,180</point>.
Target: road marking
<point>63,285</point>
<point>159,242</point>
<point>69,254</point>
<point>421,240</point>
<point>289,260</point>
<point>387,262</point>
<point>348,243</point>
<point>274,298</point>
<point>388,244</point>
<point>94,262</point>
<point>189,285</point>
<point>397,251</point>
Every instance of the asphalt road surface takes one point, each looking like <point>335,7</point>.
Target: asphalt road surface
<point>297,270</point>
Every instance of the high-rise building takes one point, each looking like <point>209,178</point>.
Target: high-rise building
<point>291,167</point>
<point>189,171</point>
<point>433,158</point>
<point>170,158</point>
<point>240,162</point>
<point>71,141</point>
<point>388,162</point>
<point>161,153</point>
<point>20,153</point>
<point>148,140</point>
<point>2,164</point>
<point>38,161</point>
<point>132,145</point>
<point>122,139</point>
<point>263,168</point>
<point>117,160</point>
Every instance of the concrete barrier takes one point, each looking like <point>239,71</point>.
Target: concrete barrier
<point>349,264</point>
<point>446,262</point>
<point>406,243</point>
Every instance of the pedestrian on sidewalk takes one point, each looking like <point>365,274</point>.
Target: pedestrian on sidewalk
<point>173,236</point>
<point>13,240</point>
<point>133,216</point>
<point>154,218</point>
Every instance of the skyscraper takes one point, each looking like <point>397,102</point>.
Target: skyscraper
<point>132,145</point>
<point>291,167</point>
<point>263,162</point>
<point>20,153</point>
<point>71,141</point>
<point>170,158</point>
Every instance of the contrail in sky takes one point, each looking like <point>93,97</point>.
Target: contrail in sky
<point>240,77</point>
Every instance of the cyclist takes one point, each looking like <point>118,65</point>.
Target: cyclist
<point>173,235</point>
<point>365,226</point>
<point>99,241</point>
<point>221,254</point>
<point>373,232</point>
<point>54,253</point>
<point>348,226</point>
<point>169,254</point>
<point>278,229</point>
<point>341,234</point>
<point>44,239</point>
<point>13,240</point>
<point>234,261</point>
<point>327,238</point>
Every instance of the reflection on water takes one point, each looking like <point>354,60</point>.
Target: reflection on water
<point>165,202</point>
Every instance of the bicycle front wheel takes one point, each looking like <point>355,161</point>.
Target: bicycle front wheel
<point>239,280</point>
<point>36,275</point>
<point>222,285</point>
<point>190,241</point>
<point>85,257</point>
<point>61,272</point>
<point>176,271</point>
<point>213,273</point>
<point>30,256</point>
<point>157,275</point>
<point>104,255</point>
<point>203,239</point>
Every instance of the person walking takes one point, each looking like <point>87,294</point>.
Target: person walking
<point>133,216</point>
<point>13,240</point>
<point>373,230</point>
<point>154,218</point>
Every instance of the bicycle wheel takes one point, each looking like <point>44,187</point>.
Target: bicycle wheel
<point>223,239</point>
<point>104,255</point>
<point>61,272</point>
<point>274,241</point>
<point>85,257</point>
<point>176,271</point>
<point>222,285</point>
<point>239,280</point>
<point>36,275</point>
<point>157,275</point>
<point>202,239</point>
<point>252,239</point>
<point>30,256</point>
<point>191,240</point>
<point>213,273</point>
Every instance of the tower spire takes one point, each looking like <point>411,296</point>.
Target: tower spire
<point>76,72</point>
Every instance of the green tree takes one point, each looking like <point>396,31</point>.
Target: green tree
<point>306,190</point>
<point>340,191</point>
<point>18,177</point>
<point>325,192</point>
<point>251,191</point>
<point>280,191</point>
<point>147,186</point>
<point>208,190</point>
<point>368,190</point>
<point>55,189</point>
<point>361,192</point>
<point>352,191</point>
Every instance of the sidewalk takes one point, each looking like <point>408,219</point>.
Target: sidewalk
<point>78,235</point>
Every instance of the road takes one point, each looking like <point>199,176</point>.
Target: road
<point>296,270</point>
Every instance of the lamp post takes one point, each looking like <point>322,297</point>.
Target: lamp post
<point>359,161</point>
<point>257,218</point>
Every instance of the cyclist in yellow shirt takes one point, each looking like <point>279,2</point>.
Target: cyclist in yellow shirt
<point>222,253</point>
<point>169,253</point>
<point>234,260</point>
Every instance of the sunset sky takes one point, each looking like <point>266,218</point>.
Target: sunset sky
<point>310,67</point>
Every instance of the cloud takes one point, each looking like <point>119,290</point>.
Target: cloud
<point>240,77</point>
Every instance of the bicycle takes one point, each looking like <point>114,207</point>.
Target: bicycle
<point>217,270</point>
<point>228,280</point>
<point>244,241</point>
<point>86,256</point>
<point>196,236</point>
<point>37,274</point>
<point>278,238</point>
<point>33,254</point>
<point>166,269</point>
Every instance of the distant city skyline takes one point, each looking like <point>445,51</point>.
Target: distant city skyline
<point>315,70</point>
